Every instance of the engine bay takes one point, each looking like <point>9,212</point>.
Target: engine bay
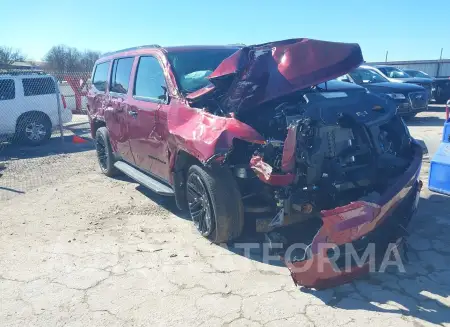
<point>322,150</point>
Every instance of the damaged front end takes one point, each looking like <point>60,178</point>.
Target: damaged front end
<point>342,170</point>
<point>327,162</point>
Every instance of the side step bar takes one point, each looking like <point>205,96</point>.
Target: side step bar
<point>147,181</point>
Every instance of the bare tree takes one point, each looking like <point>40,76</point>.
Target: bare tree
<point>9,55</point>
<point>63,58</point>
<point>68,59</point>
<point>88,59</point>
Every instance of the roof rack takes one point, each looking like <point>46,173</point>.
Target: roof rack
<point>149,46</point>
<point>15,72</point>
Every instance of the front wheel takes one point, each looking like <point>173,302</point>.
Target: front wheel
<point>215,203</point>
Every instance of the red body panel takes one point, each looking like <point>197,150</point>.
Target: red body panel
<point>203,134</point>
<point>268,71</point>
<point>348,223</point>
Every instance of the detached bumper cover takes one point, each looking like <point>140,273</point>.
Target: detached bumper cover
<point>355,226</point>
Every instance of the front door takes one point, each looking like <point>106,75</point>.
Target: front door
<point>118,120</point>
<point>149,150</point>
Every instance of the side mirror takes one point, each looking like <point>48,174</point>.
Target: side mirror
<point>345,80</point>
<point>165,97</point>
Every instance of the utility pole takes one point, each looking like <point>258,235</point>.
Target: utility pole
<point>385,60</point>
<point>439,64</point>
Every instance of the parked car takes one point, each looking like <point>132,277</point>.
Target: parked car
<point>417,73</point>
<point>441,85</point>
<point>442,89</point>
<point>396,75</point>
<point>230,130</point>
<point>29,107</point>
<point>410,99</point>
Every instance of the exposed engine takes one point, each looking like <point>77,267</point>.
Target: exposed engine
<point>342,152</point>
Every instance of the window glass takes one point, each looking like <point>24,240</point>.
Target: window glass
<point>366,76</point>
<point>38,86</point>
<point>193,67</point>
<point>121,75</point>
<point>150,80</point>
<point>394,72</point>
<point>420,74</point>
<point>7,89</point>
<point>101,76</point>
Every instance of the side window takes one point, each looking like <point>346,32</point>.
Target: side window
<point>120,76</point>
<point>101,76</point>
<point>38,86</point>
<point>150,81</point>
<point>7,89</point>
<point>384,71</point>
<point>343,78</point>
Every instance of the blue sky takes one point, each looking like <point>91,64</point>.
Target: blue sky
<point>408,29</point>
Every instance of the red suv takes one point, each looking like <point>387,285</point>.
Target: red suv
<point>229,130</point>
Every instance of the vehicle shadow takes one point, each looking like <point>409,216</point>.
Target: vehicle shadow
<point>426,121</point>
<point>436,108</point>
<point>422,291</point>
<point>249,235</point>
<point>167,202</point>
<point>56,145</point>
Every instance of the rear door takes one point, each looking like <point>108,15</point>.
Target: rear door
<point>39,94</point>
<point>8,106</point>
<point>149,150</point>
<point>118,120</point>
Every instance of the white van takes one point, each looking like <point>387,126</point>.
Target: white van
<point>29,107</point>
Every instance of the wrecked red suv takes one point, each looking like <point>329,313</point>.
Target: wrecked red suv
<point>265,129</point>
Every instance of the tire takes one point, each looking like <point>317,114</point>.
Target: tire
<point>224,199</point>
<point>440,96</point>
<point>105,155</point>
<point>33,129</point>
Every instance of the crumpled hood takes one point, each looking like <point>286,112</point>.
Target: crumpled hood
<point>260,73</point>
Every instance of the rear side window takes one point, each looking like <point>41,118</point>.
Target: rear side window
<point>38,86</point>
<point>150,80</point>
<point>120,76</point>
<point>7,89</point>
<point>101,76</point>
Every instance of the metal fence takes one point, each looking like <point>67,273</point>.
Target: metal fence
<point>42,119</point>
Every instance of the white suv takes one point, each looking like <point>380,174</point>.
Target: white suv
<point>29,107</point>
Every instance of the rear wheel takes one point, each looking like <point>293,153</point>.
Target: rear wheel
<point>215,203</point>
<point>105,154</point>
<point>34,129</point>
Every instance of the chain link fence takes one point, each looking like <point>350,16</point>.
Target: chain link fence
<point>43,120</point>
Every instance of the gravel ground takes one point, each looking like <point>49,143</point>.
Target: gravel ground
<point>80,249</point>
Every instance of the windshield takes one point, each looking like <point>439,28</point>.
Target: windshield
<point>192,67</point>
<point>393,72</point>
<point>366,76</point>
<point>416,73</point>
